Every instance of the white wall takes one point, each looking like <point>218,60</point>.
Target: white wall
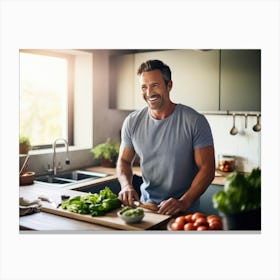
<point>246,145</point>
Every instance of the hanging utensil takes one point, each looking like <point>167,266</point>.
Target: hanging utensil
<point>234,130</point>
<point>246,120</point>
<point>257,126</point>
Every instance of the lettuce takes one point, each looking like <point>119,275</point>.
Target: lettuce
<point>241,193</point>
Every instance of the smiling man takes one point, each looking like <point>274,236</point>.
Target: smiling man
<point>174,143</point>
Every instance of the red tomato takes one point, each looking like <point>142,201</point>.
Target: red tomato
<point>197,215</point>
<point>180,219</point>
<point>189,226</point>
<point>202,228</point>
<point>215,225</point>
<point>213,217</point>
<point>188,218</point>
<point>177,226</point>
<point>201,221</point>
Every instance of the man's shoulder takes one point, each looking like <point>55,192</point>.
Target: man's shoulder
<point>138,113</point>
<point>184,109</point>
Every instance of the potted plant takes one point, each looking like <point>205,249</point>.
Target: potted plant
<point>240,201</point>
<point>107,152</point>
<point>24,145</point>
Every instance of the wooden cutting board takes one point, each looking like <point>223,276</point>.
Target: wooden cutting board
<point>111,219</point>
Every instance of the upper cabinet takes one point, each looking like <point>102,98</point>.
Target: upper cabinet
<point>122,89</point>
<point>227,80</point>
<point>195,77</point>
<point>240,80</point>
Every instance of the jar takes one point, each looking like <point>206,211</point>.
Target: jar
<point>226,163</point>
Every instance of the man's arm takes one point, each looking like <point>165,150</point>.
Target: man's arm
<point>205,161</point>
<point>124,172</point>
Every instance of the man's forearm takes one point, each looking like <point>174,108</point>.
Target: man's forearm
<point>124,173</point>
<point>199,185</point>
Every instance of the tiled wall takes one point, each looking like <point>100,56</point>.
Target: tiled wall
<point>246,145</point>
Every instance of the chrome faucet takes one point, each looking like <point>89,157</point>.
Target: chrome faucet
<point>67,161</point>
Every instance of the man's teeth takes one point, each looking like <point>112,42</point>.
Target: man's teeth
<point>152,98</point>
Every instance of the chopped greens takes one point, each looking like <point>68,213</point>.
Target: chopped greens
<point>132,212</point>
<point>95,204</point>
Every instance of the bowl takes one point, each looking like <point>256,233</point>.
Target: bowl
<point>26,178</point>
<point>131,219</point>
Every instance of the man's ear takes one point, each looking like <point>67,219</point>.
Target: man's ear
<point>169,85</point>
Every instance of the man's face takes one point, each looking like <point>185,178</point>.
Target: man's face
<point>154,90</point>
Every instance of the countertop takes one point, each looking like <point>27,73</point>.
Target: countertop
<point>42,221</point>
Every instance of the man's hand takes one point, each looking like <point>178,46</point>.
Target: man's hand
<point>171,206</point>
<point>127,195</point>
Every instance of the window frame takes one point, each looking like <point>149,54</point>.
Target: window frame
<point>70,92</point>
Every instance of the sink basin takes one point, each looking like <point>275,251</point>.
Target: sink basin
<point>70,177</point>
<point>78,175</point>
<point>50,180</point>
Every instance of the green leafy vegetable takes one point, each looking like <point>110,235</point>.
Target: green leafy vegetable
<point>96,204</point>
<point>132,212</point>
<point>241,193</point>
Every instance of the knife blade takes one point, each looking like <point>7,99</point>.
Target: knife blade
<point>45,198</point>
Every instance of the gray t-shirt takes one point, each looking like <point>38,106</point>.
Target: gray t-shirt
<point>166,149</point>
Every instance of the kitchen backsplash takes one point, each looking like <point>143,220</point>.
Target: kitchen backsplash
<point>245,146</point>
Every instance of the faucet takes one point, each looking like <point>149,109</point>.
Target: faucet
<point>67,161</point>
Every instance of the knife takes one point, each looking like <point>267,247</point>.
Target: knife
<point>44,198</point>
<point>64,197</point>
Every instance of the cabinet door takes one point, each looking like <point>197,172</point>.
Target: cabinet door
<point>122,82</point>
<point>206,203</point>
<point>241,80</point>
<point>195,76</point>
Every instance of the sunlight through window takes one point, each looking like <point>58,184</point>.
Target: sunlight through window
<point>43,97</point>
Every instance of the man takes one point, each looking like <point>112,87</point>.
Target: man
<point>174,143</point>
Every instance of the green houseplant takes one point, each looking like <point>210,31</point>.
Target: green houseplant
<point>107,152</point>
<point>240,201</point>
<point>24,145</point>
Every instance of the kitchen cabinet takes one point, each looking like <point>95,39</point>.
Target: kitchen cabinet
<point>114,185</point>
<point>240,80</point>
<point>195,76</point>
<point>206,204</point>
<point>212,80</point>
<point>122,82</point>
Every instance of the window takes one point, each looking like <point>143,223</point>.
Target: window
<point>46,97</point>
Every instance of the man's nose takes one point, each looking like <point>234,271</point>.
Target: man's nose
<point>149,91</point>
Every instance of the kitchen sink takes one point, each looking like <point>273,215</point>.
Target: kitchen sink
<point>50,180</point>
<point>78,175</point>
<point>70,177</point>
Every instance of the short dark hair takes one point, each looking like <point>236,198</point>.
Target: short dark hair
<point>150,65</point>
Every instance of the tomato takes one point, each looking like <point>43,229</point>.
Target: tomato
<point>189,226</point>
<point>177,226</point>
<point>202,228</point>
<point>215,225</point>
<point>212,217</point>
<point>201,221</point>
<point>180,219</point>
<point>197,215</point>
<point>188,218</point>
